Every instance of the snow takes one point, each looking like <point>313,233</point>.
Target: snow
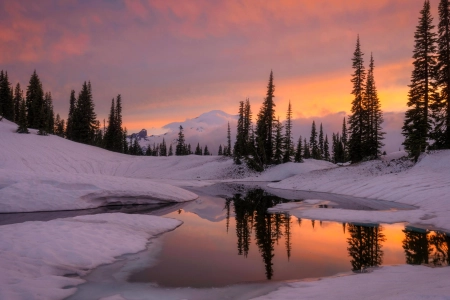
<point>390,282</point>
<point>44,260</point>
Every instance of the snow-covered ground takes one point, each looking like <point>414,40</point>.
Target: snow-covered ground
<point>44,260</point>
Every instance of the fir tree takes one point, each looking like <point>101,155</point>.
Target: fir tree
<point>111,129</point>
<point>239,145</point>
<point>264,125</point>
<point>278,143</point>
<point>321,145</point>
<point>422,90</point>
<point>228,152</point>
<point>298,152</point>
<point>306,151</point>
<point>374,134</point>
<point>59,126</point>
<point>49,114</point>
<point>6,97</point>
<point>70,118</point>
<point>35,101</point>
<point>220,150</point>
<point>181,148</point>
<point>344,141</point>
<point>198,150</point>
<point>288,145</point>
<point>247,125</point>
<point>358,117</point>
<point>43,121</point>
<point>124,142</point>
<point>22,121</point>
<point>84,117</point>
<point>206,151</point>
<point>315,152</point>
<point>18,97</point>
<point>326,149</point>
<point>441,109</point>
<point>163,148</point>
<point>118,145</point>
<point>148,151</point>
<point>170,150</point>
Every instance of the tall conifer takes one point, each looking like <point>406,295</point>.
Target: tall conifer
<point>288,145</point>
<point>422,90</point>
<point>264,125</point>
<point>34,101</point>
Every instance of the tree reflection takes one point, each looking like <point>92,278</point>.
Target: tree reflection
<point>251,214</point>
<point>364,246</point>
<point>425,247</point>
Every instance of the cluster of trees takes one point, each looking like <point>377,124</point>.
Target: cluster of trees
<point>427,121</point>
<point>33,111</point>
<point>365,134</point>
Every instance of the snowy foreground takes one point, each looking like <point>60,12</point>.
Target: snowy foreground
<point>50,173</point>
<point>44,260</point>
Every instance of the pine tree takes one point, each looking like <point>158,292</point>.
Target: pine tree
<point>198,150</point>
<point>344,141</point>
<point>148,151</point>
<point>358,117</point>
<point>111,130</point>
<point>22,121</point>
<point>126,149</point>
<point>441,109</point>
<point>206,151</point>
<point>298,152</point>
<point>239,145</point>
<point>35,100</point>
<point>70,118</point>
<point>315,152</point>
<point>278,143</point>
<point>43,121</point>
<point>264,125</point>
<point>118,145</point>
<point>247,125</point>
<point>422,90</point>
<point>228,152</point>
<point>321,145</point>
<point>49,114</point>
<point>84,117</point>
<point>306,150</point>
<point>326,149</point>
<point>6,97</point>
<point>181,148</point>
<point>220,150</point>
<point>288,145</point>
<point>170,150</point>
<point>374,134</point>
<point>163,148</point>
<point>18,97</point>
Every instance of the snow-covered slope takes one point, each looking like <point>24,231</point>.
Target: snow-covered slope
<point>425,185</point>
<point>207,129</point>
<point>45,260</point>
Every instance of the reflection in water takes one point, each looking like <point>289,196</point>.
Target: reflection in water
<point>251,213</point>
<point>364,246</point>
<point>425,247</point>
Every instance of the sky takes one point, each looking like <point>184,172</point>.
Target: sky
<point>173,60</point>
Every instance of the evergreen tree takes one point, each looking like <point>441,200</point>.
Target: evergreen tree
<point>247,125</point>
<point>206,152</point>
<point>70,118</point>
<point>148,151</point>
<point>22,121</point>
<point>422,90</point>
<point>298,152</point>
<point>264,125</point>
<point>43,121</point>
<point>59,126</point>
<point>441,109</point>
<point>35,101</point>
<point>6,97</point>
<point>278,143</point>
<point>18,97</point>
<point>374,134</point>
<point>111,129</point>
<point>288,145</point>
<point>220,150</point>
<point>306,150</point>
<point>239,145</point>
<point>315,151</point>
<point>344,141</point>
<point>118,145</point>
<point>181,148</point>
<point>170,150</point>
<point>198,150</point>
<point>126,149</point>
<point>228,152</point>
<point>163,148</point>
<point>326,149</point>
<point>358,117</point>
<point>49,114</point>
<point>84,117</point>
<point>321,149</point>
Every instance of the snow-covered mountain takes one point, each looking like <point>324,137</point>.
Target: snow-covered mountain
<point>207,129</point>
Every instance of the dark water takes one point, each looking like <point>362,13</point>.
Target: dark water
<point>232,239</point>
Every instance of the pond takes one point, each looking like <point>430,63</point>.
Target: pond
<point>234,240</point>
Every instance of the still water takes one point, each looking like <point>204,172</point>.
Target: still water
<point>231,239</point>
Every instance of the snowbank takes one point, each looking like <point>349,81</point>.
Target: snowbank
<point>425,185</point>
<point>44,260</point>
<point>393,282</point>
